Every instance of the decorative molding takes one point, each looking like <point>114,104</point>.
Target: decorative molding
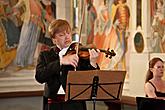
<point>20,94</point>
<point>19,84</point>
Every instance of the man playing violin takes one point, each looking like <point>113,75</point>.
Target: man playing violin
<point>52,68</point>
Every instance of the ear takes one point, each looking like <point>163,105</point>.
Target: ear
<point>151,69</point>
<point>54,40</point>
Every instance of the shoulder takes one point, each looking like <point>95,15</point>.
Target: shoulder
<point>48,53</point>
<point>149,86</point>
<point>48,56</point>
<point>45,52</point>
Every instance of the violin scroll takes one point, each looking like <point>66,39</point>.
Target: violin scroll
<point>109,53</point>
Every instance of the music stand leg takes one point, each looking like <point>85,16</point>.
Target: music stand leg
<point>94,104</point>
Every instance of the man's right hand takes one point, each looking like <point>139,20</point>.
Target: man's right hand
<point>70,60</point>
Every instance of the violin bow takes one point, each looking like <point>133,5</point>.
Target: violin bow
<point>83,16</point>
<point>81,26</point>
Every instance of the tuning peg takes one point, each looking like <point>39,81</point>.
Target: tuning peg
<point>106,55</point>
<point>113,53</point>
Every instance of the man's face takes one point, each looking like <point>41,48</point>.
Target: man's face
<point>62,39</point>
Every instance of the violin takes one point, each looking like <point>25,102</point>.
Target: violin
<point>83,50</point>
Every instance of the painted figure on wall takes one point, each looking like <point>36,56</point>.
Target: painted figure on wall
<point>45,41</point>
<point>116,38</point>
<point>157,26</point>
<point>9,33</point>
<point>101,23</point>
<point>32,14</point>
<point>91,17</point>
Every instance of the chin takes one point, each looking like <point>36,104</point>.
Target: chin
<point>68,43</point>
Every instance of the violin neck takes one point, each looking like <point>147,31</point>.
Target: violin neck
<point>107,52</point>
<point>86,49</point>
<point>104,51</point>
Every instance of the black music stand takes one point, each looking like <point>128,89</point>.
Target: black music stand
<point>145,103</point>
<point>94,85</point>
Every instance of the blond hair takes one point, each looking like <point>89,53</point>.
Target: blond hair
<point>58,26</point>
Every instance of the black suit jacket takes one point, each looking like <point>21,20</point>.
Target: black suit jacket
<point>49,70</point>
